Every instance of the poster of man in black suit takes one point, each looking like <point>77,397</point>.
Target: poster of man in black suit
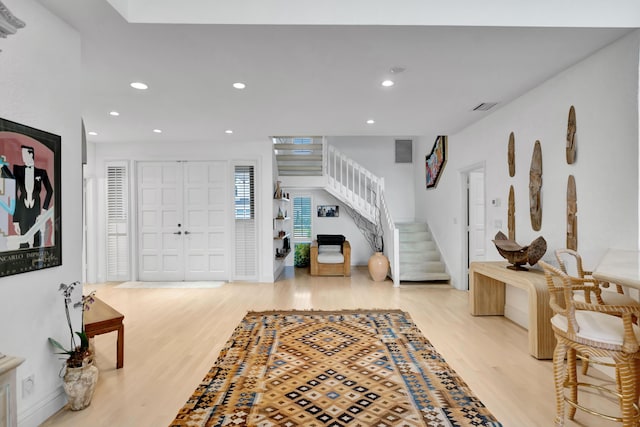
<point>29,206</point>
<point>30,199</point>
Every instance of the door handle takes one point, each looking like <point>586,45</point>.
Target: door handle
<point>178,232</point>
<point>186,232</point>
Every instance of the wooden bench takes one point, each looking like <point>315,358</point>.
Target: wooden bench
<point>101,318</point>
<point>487,298</point>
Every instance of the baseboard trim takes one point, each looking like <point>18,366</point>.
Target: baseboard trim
<point>38,413</point>
<point>517,316</point>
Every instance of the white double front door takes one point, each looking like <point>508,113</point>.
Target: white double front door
<point>183,230</point>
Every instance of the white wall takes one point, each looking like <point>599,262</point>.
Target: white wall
<point>604,90</point>
<point>377,153</point>
<point>258,151</point>
<point>40,86</point>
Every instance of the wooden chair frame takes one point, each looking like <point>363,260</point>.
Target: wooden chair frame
<point>626,357</point>
<point>320,269</point>
<point>582,273</point>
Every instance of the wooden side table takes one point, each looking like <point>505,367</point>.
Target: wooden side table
<point>101,318</point>
<point>487,282</point>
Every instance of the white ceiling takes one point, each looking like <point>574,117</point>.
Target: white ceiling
<point>304,80</point>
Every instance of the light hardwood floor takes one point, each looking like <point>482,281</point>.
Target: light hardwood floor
<point>173,336</point>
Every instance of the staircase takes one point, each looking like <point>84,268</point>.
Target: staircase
<point>298,156</point>
<point>419,256</point>
<point>409,247</point>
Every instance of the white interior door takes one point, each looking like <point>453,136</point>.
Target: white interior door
<point>160,221</point>
<point>205,221</point>
<point>182,221</point>
<point>477,242</point>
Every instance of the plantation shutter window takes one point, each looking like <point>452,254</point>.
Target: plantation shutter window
<point>245,224</point>
<point>117,222</point>
<point>302,217</point>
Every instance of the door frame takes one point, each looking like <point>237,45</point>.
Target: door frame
<point>464,215</point>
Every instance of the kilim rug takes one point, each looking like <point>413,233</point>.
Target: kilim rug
<point>340,368</point>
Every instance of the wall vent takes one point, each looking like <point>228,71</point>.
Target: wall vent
<point>485,106</point>
<point>404,151</point>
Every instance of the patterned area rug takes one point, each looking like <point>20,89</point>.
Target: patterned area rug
<point>342,368</point>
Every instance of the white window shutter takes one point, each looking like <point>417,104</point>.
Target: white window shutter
<point>117,222</point>
<point>246,253</point>
<point>302,218</point>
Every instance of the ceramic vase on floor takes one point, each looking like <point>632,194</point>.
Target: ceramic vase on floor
<point>378,266</point>
<point>79,385</point>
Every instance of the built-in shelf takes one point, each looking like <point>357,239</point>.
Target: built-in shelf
<point>283,255</point>
<point>281,209</point>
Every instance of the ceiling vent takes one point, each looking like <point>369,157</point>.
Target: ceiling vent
<point>485,106</point>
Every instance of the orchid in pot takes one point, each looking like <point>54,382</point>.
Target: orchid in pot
<point>81,375</point>
<point>79,349</point>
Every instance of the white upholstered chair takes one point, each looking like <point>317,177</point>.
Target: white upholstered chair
<point>330,255</point>
<point>598,331</point>
<point>570,263</point>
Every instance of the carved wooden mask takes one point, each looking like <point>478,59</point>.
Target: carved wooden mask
<point>511,155</point>
<point>571,136</point>
<point>535,187</point>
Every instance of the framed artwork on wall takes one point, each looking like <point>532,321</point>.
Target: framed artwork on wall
<point>30,202</point>
<point>329,211</point>
<point>435,161</point>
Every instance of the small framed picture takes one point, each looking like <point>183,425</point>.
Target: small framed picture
<point>328,211</point>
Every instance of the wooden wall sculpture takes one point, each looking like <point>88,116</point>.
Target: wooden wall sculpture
<point>535,187</point>
<point>511,215</point>
<point>571,136</point>
<point>572,219</point>
<point>511,155</point>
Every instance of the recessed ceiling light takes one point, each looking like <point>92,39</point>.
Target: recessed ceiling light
<point>228,131</point>
<point>370,121</point>
<point>93,133</point>
<point>157,130</point>
<point>114,113</point>
<point>239,85</point>
<point>388,83</point>
<point>139,85</point>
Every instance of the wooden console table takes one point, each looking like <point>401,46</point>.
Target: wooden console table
<point>487,298</point>
<point>102,318</point>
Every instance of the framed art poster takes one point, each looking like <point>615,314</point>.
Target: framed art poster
<point>328,211</point>
<point>435,161</point>
<point>30,220</point>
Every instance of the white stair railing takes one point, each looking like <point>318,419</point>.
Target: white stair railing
<point>391,245</point>
<point>352,182</point>
<point>363,191</point>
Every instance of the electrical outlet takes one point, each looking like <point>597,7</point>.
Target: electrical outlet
<point>28,386</point>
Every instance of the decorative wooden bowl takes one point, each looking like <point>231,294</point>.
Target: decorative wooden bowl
<point>519,255</point>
